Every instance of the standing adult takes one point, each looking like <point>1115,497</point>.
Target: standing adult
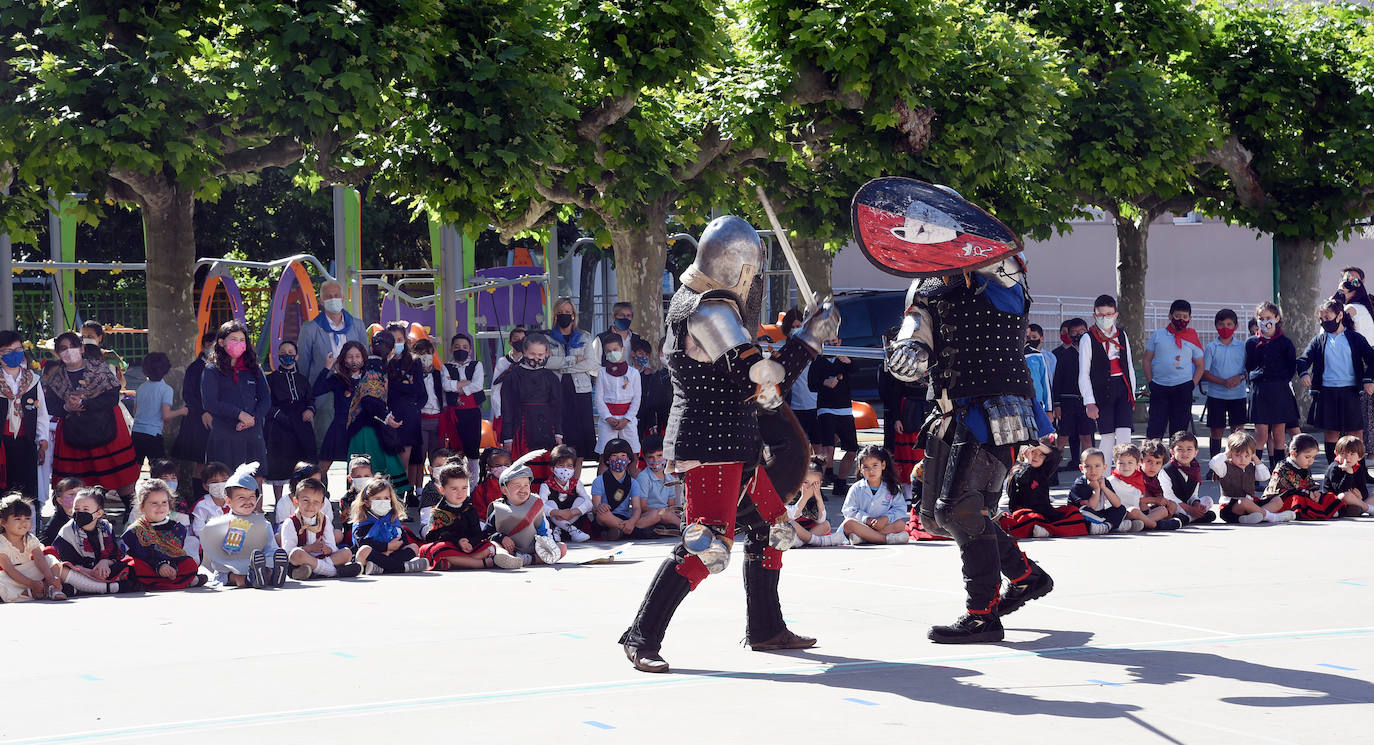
<point>1359,306</point>
<point>93,334</point>
<point>320,342</point>
<point>570,356</point>
<point>93,442</point>
<point>1173,366</point>
<point>622,317</point>
<point>25,432</point>
<point>288,433</point>
<point>234,391</point>
<point>195,428</point>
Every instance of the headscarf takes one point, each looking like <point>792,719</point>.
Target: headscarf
<point>373,383</point>
<point>96,379</point>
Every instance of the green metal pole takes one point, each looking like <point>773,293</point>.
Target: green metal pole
<point>442,290</point>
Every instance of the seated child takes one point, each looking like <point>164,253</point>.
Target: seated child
<point>1293,483</point>
<point>429,496</point>
<point>1347,479</point>
<point>164,470</point>
<point>1030,513</point>
<point>615,495</point>
<point>215,476</point>
<point>284,508</point>
<point>454,535</point>
<point>377,516</point>
<point>490,464</point>
<point>1237,469</point>
<point>359,474</point>
<point>92,559</point>
<point>26,571</point>
<point>308,537</point>
<point>155,544</point>
<point>1159,492</point>
<point>566,503</point>
<point>63,498</point>
<point>807,510</point>
<point>240,547</point>
<point>662,505</point>
<point>517,521</point>
<point>1184,475</point>
<point>1092,494</point>
<point>874,510</point>
<point>1129,484</point>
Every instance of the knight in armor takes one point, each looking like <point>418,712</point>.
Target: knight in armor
<point>726,408</point>
<point>965,332</point>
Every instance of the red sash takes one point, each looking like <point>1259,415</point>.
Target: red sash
<point>618,409</point>
<point>536,510</point>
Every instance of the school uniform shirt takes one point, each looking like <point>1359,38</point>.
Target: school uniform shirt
<point>863,502</point>
<point>1340,365</point>
<point>802,398</point>
<point>569,496</point>
<point>1237,483</point>
<point>148,403</point>
<point>657,492</point>
<point>1225,361</point>
<point>293,533</point>
<point>1128,494</point>
<point>620,494</point>
<point>1081,494</point>
<point>1172,364</point>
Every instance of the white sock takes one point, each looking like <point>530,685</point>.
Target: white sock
<point>1107,445</point>
<point>1369,510</point>
<point>1123,434</point>
<point>85,584</point>
<point>326,568</point>
<point>1272,517</point>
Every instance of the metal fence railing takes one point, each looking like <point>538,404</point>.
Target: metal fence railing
<point>1052,310</point>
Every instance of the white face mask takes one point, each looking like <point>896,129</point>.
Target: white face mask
<point>360,481</point>
<point>217,489</point>
<point>71,356</point>
<point>379,507</point>
<point>1106,323</point>
<point>312,520</point>
<point>427,360</point>
<point>333,305</point>
<point>563,473</point>
<point>615,356</point>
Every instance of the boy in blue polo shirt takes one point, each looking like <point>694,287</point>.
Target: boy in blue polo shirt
<point>1173,367</point>
<point>1223,371</point>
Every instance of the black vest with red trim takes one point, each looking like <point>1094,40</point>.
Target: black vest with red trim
<point>459,399</point>
<point>562,496</point>
<point>1100,367</point>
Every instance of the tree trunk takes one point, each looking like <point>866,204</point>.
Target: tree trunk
<point>816,263</point>
<point>1300,262</point>
<point>640,254</point>
<point>1131,264</point>
<point>586,287</point>
<point>170,244</point>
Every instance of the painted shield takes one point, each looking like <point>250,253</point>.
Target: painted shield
<point>914,229</point>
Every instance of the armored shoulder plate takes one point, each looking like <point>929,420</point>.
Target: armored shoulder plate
<point>716,327</point>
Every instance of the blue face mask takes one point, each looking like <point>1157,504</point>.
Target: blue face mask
<point>623,324</point>
<point>641,361</point>
<point>287,360</point>
<point>399,347</point>
<point>13,358</point>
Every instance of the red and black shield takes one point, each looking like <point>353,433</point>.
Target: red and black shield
<point>914,229</point>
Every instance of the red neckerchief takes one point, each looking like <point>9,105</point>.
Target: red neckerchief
<point>617,369</point>
<point>1136,479</point>
<point>1152,486</point>
<point>239,364</point>
<point>1103,339</point>
<point>1278,332</point>
<point>567,488</point>
<point>1187,334</point>
<point>1192,470</point>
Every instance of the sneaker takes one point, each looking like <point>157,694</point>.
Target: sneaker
<point>350,569</point>
<point>1039,531</point>
<point>417,564</point>
<point>969,629</point>
<point>855,539</point>
<point>300,572</point>
<point>1137,526</point>
<point>579,536</point>
<point>1098,528</point>
<point>556,533</point>
<point>257,569</point>
<point>525,559</point>
<point>1287,516</point>
<point>1251,518</point>
<point>281,564</point>
<point>897,539</point>
<point>1037,585</point>
<point>1171,523</point>
<point>1207,517</point>
<point>507,561</point>
<point>829,539</point>
<point>373,569</point>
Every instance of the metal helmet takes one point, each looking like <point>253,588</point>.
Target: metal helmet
<point>729,257</point>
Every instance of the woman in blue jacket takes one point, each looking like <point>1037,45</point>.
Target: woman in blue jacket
<point>234,392</point>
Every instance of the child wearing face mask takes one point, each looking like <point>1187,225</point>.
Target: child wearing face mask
<point>662,500</point>
<point>430,495</point>
<point>656,386</point>
<point>532,405</point>
<point>1223,375</point>
<point>339,384</point>
<point>491,464</point>
<point>377,516</point>
<point>308,537</point>
<point>566,502</point>
<point>359,474</point>
<point>616,497</point>
<point>1270,363</point>
<point>516,341</point>
<point>240,547</point>
<point>617,398</point>
<point>215,503</point>
<point>1106,377</point>
<point>462,379</point>
<point>92,559</point>
<point>1336,365</point>
<point>1173,365</point>
<point>290,429</point>
<point>63,498</point>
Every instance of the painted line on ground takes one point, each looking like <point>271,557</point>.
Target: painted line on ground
<point>1335,667</point>
<point>860,701</point>
<point>598,725</point>
<point>644,682</point>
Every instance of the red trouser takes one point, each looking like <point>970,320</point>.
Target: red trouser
<point>149,579</point>
<point>714,494</point>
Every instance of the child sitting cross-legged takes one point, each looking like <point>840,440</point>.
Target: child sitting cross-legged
<point>377,516</point>
<point>662,500</point>
<point>26,571</point>
<point>430,496</point>
<point>92,559</point>
<point>807,510</point>
<point>616,498</point>
<point>566,502</point>
<point>1347,479</point>
<point>1184,475</point>
<point>1238,469</point>
<point>455,537</point>
<point>1092,494</point>
<point>1030,513</point>
<point>1293,483</point>
<point>155,544</point>
<point>308,537</point>
<point>1129,484</point>
<point>874,509</point>
<point>1159,492</point>
<point>240,547</point>
<point>517,520</point>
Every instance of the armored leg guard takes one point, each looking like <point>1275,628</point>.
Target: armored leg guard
<point>766,629</point>
<point>645,635</point>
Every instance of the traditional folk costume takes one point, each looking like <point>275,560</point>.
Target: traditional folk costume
<point>1339,481</point>
<point>150,546</point>
<point>294,532</point>
<point>25,425</point>
<point>460,421</point>
<point>617,395</point>
<point>448,526</point>
<point>290,439</point>
<point>84,548</point>
<point>569,496</point>
<point>723,387</point>
<point>369,433</point>
<point>532,412</point>
<point>1029,505</point>
<point>93,445</point>
<point>1301,493</point>
<point>1237,484</point>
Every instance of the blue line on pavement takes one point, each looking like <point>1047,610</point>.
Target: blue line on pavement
<point>1334,667</point>
<point>598,725</point>
<point>860,701</point>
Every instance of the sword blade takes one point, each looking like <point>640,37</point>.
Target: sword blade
<point>803,287</point>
